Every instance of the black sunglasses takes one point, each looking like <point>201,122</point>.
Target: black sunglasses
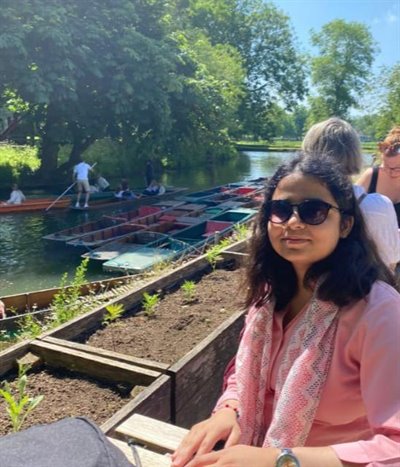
<point>310,211</point>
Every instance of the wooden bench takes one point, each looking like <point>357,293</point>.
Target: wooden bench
<point>153,439</point>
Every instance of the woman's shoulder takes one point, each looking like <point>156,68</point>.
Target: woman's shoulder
<point>365,177</point>
<point>382,299</point>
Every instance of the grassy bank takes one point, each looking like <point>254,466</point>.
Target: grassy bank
<point>284,145</point>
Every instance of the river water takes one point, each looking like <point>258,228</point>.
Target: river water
<point>27,262</point>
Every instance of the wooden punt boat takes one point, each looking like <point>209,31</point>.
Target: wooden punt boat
<point>146,257</point>
<point>137,241</point>
<point>117,202</point>
<point>159,222</point>
<point>71,233</point>
<point>189,240</point>
<point>34,204</point>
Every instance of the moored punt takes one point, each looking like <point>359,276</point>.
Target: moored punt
<point>135,241</point>
<point>117,202</point>
<point>189,240</point>
<point>146,257</point>
<point>106,221</point>
<point>35,204</point>
<point>160,221</point>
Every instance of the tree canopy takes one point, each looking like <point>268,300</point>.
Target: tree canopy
<point>176,80</point>
<point>340,71</point>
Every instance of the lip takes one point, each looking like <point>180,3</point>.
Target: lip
<point>295,240</point>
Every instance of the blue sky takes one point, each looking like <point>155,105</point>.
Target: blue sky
<point>381,16</point>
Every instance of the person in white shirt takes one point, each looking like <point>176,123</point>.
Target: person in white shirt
<point>16,196</point>
<point>81,176</point>
<point>337,139</point>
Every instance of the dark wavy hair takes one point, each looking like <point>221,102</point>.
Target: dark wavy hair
<point>347,274</point>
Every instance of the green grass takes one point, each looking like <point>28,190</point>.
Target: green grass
<point>284,145</point>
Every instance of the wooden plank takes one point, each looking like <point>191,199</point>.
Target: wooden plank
<point>154,401</point>
<point>198,376</point>
<point>93,365</point>
<point>147,458</point>
<point>9,356</point>
<point>155,435</point>
<point>141,362</point>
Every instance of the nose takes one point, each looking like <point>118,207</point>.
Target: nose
<point>294,220</point>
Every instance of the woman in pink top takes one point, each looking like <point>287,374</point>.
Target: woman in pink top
<point>316,381</point>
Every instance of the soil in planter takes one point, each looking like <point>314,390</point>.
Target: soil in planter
<point>67,393</point>
<point>179,324</point>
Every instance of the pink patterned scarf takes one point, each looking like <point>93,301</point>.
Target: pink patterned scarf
<point>300,378</point>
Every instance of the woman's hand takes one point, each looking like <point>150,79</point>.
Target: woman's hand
<point>222,426</point>
<point>237,456</point>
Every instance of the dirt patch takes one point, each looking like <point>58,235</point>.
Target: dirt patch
<point>67,394</point>
<point>179,323</point>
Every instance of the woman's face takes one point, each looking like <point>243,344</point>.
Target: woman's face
<point>300,243</point>
<point>391,165</point>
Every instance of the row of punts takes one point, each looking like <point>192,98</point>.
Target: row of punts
<point>137,240</point>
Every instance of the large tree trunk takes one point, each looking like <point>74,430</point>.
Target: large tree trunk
<point>49,157</point>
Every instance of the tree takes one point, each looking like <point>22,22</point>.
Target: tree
<point>340,71</point>
<point>87,70</point>
<point>275,70</point>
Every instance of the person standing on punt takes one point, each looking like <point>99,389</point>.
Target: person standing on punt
<point>385,179</point>
<point>81,176</point>
<point>316,376</point>
<point>338,140</point>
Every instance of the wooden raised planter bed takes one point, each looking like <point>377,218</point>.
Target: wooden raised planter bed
<point>152,387</point>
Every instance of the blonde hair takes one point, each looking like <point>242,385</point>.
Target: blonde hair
<point>338,140</point>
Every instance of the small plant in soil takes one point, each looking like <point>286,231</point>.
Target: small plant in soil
<point>240,232</point>
<point>66,303</point>
<point>18,403</point>
<point>189,289</point>
<point>213,254</point>
<point>29,327</point>
<point>113,312</point>
<point>150,301</point>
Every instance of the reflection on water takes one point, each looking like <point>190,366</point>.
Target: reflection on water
<point>27,262</point>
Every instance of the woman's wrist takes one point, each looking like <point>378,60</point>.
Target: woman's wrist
<point>228,405</point>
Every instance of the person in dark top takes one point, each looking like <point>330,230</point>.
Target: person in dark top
<point>385,179</point>
<point>149,175</point>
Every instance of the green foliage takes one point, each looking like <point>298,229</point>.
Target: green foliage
<point>240,232</point>
<point>213,254</point>
<point>341,70</point>
<point>150,301</point>
<point>113,312</point>
<point>189,288</point>
<point>29,327</point>
<point>17,159</point>
<point>18,403</point>
<point>66,304</point>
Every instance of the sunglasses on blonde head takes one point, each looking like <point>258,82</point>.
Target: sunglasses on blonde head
<point>310,211</point>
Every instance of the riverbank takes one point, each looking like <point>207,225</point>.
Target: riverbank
<point>369,147</point>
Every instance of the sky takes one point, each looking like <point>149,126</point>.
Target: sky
<point>382,17</point>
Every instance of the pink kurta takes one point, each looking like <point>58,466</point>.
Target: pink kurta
<point>359,411</point>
